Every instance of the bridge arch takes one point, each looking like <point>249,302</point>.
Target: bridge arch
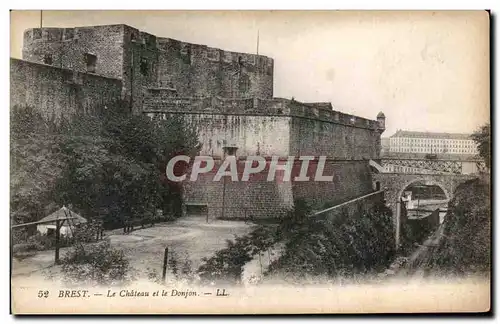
<point>375,167</point>
<point>428,182</point>
<point>394,184</point>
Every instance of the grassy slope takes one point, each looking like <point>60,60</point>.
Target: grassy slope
<point>467,244</point>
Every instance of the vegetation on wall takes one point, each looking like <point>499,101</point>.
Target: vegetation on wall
<point>109,166</point>
<point>482,137</point>
<point>226,266</point>
<point>350,246</point>
<point>344,247</point>
<point>467,232</point>
<point>96,264</point>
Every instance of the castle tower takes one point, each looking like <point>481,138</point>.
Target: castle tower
<point>381,122</point>
<point>151,67</point>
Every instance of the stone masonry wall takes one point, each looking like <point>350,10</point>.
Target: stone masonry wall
<point>199,70</point>
<point>350,208</point>
<point>276,128</point>
<point>336,140</point>
<point>351,179</point>
<point>68,46</point>
<point>57,92</point>
<point>259,198</point>
<point>162,76</point>
<point>144,61</point>
<point>253,135</point>
<point>253,199</point>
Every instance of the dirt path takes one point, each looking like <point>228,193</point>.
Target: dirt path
<point>189,238</point>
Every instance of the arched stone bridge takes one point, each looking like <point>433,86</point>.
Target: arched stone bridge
<point>394,184</point>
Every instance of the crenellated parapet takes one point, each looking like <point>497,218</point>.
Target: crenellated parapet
<point>164,103</point>
<point>143,60</point>
<point>211,55</point>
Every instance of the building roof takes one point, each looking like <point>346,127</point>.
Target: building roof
<point>380,115</point>
<point>412,134</point>
<point>64,214</point>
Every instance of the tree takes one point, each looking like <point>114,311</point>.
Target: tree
<point>109,166</point>
<point>467,237</point>
<point>482,137</point>
<point>347,245</point>
<point>98,264</point>
<point>36,164</point>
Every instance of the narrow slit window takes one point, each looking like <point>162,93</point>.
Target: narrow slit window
<point>144,67</point>
<point>47,59</point>
<point>91,61</point>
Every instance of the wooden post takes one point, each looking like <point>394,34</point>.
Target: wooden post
<point>260,261</point>
<point>165,262</point>
<point>398,224</point>
<point>223,195</point>
<point>58,229</point>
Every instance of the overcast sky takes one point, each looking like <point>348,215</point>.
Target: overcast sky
<point>426,71</point>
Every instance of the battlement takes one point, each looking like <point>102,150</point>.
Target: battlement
<point>178,77</point>
<point>142,59</point>
<point>150,42</point>
<point>55,34</point>
<point>254,107</point>
<point>57,92</point>
<point>252,62</point>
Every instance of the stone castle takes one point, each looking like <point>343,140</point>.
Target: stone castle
<point>228,95</point>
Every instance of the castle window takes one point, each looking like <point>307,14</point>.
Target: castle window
<point>68,33</point>
<point>186,53</point>
<point>244,83</point>
<point>144,67</point>
<point>184,49</point>
<point>37,34</point>
<point>150,40</point>
<point>213,54</point>
<point>47,59</point>
<point>228,57</point>
<point>91,61</point>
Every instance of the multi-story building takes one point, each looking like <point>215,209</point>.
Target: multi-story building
<point>432,143</point>
<point>385,145</point>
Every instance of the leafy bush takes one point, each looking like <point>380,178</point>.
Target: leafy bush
<point>355,245</point>
<point>153,276</point>
<point>482,137</point>
<point>87,232</point>
<point>110,166</point>
<point>96,264</point>
<point>294,218</point>
<point>40,242</point>
<point>178,271</point>
<point>467,233</point>
<point>26,247</point>
<point>226,266</point>
<point>181,268</point>
<point>341,248</point>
